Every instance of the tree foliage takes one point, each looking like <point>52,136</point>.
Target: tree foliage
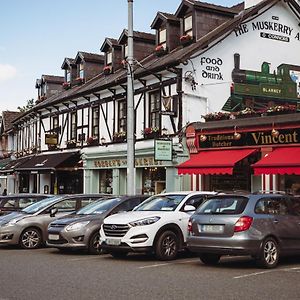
<point>28,106</point>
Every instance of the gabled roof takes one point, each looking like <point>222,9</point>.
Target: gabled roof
<point>86,56</point>
<point>161,17</point>
<point>137,35</point>
<point>68,62</point>
<point>185,4</point>
<point>53,79</point>
<point>7,119</point>
<point>109,43</point>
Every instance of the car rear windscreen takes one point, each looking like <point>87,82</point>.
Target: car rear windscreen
<point>223,206</point>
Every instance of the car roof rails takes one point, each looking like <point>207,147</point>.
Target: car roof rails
<point>224,192</point>
<point>271,192</point>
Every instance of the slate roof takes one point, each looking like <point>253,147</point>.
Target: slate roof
<point>87,56</point>
<point>7,119</point>
<point>53,78</point>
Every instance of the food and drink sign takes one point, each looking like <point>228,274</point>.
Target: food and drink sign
<point>163,149</point>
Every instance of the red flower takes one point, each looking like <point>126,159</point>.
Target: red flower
<point>107,70</point>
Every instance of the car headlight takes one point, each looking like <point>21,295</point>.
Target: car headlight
<point>11,223</point>
<point>76,226</point>
<point>147,221</point>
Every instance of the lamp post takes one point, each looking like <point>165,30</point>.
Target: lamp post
<point>131,189</point>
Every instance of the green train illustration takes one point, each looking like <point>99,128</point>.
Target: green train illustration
<point>257,89</point>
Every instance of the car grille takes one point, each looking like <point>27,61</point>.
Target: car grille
<point>58,242</point>
<point>57,225</point>
<point>115,229</point>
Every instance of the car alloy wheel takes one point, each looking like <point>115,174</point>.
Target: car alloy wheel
<point>167,246</point>
<point>30,238</point>
<point>94,243</point>
<point>269,255</point>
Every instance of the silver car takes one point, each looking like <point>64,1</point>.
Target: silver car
<point>28,228</point>
<point>264,226</point>
<point>81,230</point>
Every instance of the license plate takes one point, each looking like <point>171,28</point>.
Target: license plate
<point>212,228</point>
<point>114,242</point>
<point>53,237</point>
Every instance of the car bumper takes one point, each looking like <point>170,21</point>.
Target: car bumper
<point>223,246</point>
<point>9,236</point>
<point>124,248</point>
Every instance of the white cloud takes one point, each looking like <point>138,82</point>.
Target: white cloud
<point>7,72</point>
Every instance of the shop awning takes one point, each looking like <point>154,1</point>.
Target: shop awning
<point>213,161</point>
<point>4,162</point>
<point>50,161</point>
<point>280,161</point>
<point>11,166</point>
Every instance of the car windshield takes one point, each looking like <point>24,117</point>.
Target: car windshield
<point>99,207</point>
<point>33,208</point>
<point>223,206</point>
<point>161,202</point>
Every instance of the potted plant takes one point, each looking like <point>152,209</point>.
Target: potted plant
<point>66,85</point>
<point>92,140</point>
<point>160,50</point>
<point>107,70</point>
<point>119,136</point>
<point>150,132</point>
<point>186,39</point>
<point>71,143</point>
<point>79,80</point>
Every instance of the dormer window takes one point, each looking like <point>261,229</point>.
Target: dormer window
<point>109,58</point>
<point>68,76</point>
<point>162,37</point>
<point>188,25</point>
<point>125,51</point>
<point>44,92</point>
<point>81,71</point>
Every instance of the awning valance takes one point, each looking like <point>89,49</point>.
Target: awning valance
<point>214,161</point>
<point>13,164</point>
<point>281,161</point>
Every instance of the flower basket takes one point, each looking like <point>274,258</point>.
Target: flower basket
<point>217,116</point>
<point>150,132</point>
<point>66,85</point>
<point>246,113</point>
<point>186,39</point>
<point>160,50</point>
<point>107,70</point>
<point>71,144</point>
<point>79,80</point>
<point>92,141</point>
<point>52,147</point>
<point>119,136</point>
<point>281,109</point>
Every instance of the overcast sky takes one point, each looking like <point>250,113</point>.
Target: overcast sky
<point>36,36</point>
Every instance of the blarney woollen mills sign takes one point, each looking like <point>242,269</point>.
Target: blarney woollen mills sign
<point>258,138</point>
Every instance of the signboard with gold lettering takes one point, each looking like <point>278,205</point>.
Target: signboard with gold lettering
<point>255,138</point>
<point>51,139</point>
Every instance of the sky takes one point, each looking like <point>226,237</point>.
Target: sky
<point>36,36</point>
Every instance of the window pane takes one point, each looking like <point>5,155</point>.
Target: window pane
<point>109,58</point>
<point>162,36</point>
<point>188,23</point>
<point>125,50</point>
<point>68,76</point>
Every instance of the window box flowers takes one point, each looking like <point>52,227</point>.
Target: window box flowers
<point>281,109</point>
<point>92,140</point>
<point>160,50</point>
<point>186,39</point>
<point>66,85</point>
<point>217,116</point>
<point>107,70</point>
<point>119,136</point>
<point>71,143</point>
<point>150,132</point>
<point>79,80</point>
<point>246,113</point>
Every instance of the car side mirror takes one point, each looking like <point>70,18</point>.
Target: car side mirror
<point>53,211</point>
<point>189,207</point>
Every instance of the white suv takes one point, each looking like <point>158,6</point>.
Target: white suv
<point>157,225</point>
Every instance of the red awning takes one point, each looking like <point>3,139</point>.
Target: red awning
<point>213,161</point>
<point>280,161</point>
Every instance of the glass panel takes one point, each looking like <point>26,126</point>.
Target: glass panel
<point>162,36</point>
<point>125,50</point>
<point>188,23</point>
<point>108,58</point>
<point>68,76</point>
<point>66,205</point>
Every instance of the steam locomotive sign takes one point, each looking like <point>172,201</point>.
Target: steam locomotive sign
<point>258,88</point>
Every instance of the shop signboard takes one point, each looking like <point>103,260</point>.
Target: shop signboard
<point>163,149</point>
<point>51,139</point>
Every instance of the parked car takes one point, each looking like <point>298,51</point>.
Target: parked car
<point>16,202</point>
<point>264,226</point>
<point>157,225</point>
<point>28,228</point>
<point>81,230</point>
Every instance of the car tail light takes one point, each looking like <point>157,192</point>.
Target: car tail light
<point>243,223</point>
<point>190,227</point>
<point>232,87</point>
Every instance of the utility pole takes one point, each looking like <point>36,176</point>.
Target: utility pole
<point>131,188</point>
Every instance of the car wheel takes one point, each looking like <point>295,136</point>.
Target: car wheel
<point>118,254</point>
<point>209,258</point>
<point>269,254</point>
<point>94,243</point>
<point>167,245</point>
<point>31,238</point>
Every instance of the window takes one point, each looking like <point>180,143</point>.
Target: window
<point>122,116</point>
<point>10,203</point>
<point>162,37</point>
<point>44,89</point>
<point>66,205</point>
<point>95,122</point>
<point>68,76</point>
<point>154,118</point>
<point>24,202</point>
<point>73,134</point>
<point>108,58</point>
<point>125,51</point>
<point>81,71</point>
<point>271,206</point>
<point>188,25</point>
<point>55,123</point>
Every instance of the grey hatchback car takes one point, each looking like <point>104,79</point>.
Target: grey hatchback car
<point>81,230</point>
<point>28,228</point>
<point>264,226</point>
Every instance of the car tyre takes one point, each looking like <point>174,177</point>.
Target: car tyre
<point>31,238</point>
<point>269,254</point>
<point>94,243</point>
<point>210,258</point>
<point>167,245</point>
<point>118,254</point>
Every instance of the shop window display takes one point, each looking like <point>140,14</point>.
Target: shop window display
<point>154,180</point>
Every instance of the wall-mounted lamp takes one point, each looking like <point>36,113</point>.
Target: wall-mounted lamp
<point>274,132</point>
<point>236,135</point>
<point>165,131</point>
<point>203,137</point>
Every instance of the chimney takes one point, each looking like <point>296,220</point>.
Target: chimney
<point>250,3</point>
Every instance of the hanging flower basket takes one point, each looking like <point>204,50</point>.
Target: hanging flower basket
<point>71,144</point>
<point>119,136</point>
<point>92,141</point>
<point>150,132</point>
<point>217,116</point>
<point>160,50</point>
<point>66,85</point>
<point>79,80</point>
<point>107,70</point>
<point>281,109</point>
<point>186,39</point>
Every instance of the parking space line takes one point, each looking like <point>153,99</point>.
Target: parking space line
<point>168,264</point>
<point>83,258</point>
<point>253,274</point>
